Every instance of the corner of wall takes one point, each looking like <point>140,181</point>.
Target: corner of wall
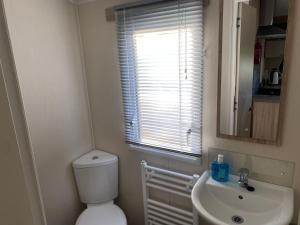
<point>84,77</point>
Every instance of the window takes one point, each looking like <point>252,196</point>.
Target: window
<point>160,51</point>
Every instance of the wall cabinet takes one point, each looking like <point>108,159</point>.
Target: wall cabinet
<point>265,118</point>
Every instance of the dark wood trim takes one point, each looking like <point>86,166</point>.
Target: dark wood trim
<point>288,47</point>
<point>253,140</point>
<point>280,19</point>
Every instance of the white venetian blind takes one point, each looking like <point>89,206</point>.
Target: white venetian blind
<point>160,51</point>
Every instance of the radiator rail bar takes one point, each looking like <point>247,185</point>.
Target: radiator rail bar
<point>160,213</point>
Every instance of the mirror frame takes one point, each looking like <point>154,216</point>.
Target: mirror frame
<point>284,80</point>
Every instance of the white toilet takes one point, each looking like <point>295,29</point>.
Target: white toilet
<point>96,176</point>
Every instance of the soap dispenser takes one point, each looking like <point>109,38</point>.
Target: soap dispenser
<point>220,169</point>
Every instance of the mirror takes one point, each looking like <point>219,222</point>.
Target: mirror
<point>251,69</point>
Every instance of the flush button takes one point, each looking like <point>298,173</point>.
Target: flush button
<point>95,157</point>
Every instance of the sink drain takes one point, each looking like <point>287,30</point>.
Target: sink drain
<point>237,219</point>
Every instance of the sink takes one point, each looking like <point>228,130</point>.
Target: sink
<point>229,204</point>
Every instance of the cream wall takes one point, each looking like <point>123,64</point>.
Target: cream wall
<point>18,189</point>
<point>289,150</point>
<point>101,56</point>
<point>46,49</point>
<point>13,191</point>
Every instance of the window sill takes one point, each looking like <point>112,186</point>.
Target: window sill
<point>168,155</point>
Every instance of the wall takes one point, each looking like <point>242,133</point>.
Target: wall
<point>19,190</point>
<point>13,191</point>
<point>46,48</point>
<point>289,149</point>
<point>101,55</point>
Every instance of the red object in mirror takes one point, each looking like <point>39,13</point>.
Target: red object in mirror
<point>257,53</point>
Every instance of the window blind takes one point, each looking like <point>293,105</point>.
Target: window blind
<point>160,54</point>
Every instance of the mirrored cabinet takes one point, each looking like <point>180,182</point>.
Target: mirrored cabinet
<point>252,69</point>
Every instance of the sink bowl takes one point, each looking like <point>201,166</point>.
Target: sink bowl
<point>229,204</point>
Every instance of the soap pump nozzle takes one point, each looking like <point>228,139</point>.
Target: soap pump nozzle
<point>220,158</point>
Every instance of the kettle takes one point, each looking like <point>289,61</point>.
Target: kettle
<point>275,77</point>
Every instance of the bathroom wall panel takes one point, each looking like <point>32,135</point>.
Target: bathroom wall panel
<point>19,188</point>
<point>289,150</point>
<point>262,168</point>
<point>101,56</point>
<point>13,191</point>
<point>46,50</point>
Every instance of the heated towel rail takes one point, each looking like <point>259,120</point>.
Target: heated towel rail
<point>160,213</point>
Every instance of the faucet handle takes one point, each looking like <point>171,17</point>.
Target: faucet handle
<point>243,171</point>
<point>243,181</point>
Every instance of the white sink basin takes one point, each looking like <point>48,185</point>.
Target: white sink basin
<point>218,202</point>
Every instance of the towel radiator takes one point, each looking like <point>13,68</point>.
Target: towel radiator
<point>160,213</point>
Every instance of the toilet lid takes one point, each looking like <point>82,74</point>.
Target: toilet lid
<point>106,214</point>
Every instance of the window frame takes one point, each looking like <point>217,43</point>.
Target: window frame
<point>136,133</point>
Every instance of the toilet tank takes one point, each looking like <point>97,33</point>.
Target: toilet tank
<point>96,175</point>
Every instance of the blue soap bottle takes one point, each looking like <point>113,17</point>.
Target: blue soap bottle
<point>220,169</point>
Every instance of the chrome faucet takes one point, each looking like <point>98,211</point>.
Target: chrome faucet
<point>244,174</point>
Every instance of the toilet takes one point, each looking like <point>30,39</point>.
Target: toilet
<point>96,175</point>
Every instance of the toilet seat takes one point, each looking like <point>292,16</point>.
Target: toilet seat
<point>104,214</point>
